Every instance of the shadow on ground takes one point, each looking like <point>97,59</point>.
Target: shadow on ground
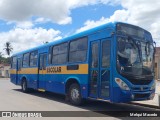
<point>98,108</point>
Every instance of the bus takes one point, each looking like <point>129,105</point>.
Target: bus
<point>112,62</point>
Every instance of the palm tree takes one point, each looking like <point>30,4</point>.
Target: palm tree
<point>1,57</point>
<point>8,48</point>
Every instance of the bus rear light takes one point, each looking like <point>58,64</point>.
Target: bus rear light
<point>122,84</point>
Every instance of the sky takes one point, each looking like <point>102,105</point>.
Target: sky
<point>29,23</point>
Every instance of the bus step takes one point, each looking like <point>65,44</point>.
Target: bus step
<point>41,90</point>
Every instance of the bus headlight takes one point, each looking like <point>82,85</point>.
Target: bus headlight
<point>122,84</point>
<point>153,86</point>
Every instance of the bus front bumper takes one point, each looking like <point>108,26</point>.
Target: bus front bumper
<point>127,96</point>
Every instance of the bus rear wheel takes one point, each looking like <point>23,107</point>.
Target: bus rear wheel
<point>75,94</point>
<point>24,87</point>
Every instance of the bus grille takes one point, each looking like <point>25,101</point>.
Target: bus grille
<point>140,88</point>
<point>138,96</point>
<point>140,82</point>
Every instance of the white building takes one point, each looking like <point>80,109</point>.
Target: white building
<point>4,71</point>
<point>157,64</point>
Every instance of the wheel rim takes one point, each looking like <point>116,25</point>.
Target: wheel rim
<point>24,86</point>
<point>74,94</point>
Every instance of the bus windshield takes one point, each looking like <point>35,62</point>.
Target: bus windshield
<point>135,57</point>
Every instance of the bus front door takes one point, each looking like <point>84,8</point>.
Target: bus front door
<point>42,71</point>
<point>99,83</point>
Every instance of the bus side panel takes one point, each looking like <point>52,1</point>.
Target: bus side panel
<point>56,83</point>
<point>31,80</point>
<point>13,76</point>
<point>121,96</point>
<point>31,75</point>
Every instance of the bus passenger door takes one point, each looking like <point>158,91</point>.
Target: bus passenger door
<point>42,71</point>
<point>18,70</point>
<point>104,83</point>
<point>94,69</point>
<point>99,69</point>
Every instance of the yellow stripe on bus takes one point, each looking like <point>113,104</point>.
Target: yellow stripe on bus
<point>82,69</point>
<point>25,71</point>
<point>12,71</point>
<point>28,71</point>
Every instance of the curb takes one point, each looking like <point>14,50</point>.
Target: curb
<point>145,105</point>
<point>4,78</point>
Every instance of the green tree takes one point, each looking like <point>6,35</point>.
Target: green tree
<point>8,48</point>
<point>1,57</point>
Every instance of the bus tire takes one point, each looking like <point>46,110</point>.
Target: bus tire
<point>24,87</point>
<point>75,97</point>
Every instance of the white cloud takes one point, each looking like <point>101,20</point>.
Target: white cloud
<point>20,13</point>
<point>117,16</point>
<point>21,10</point>
<point>25,24</point>
<point>139,12</point>
<point>91,24</point>
<point>79,3</point>
<point>22,39</point>
<point>58,11</point>
<point>67,20</point>
<point>41,20</point>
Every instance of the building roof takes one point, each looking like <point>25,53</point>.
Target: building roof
<point>3,65</point>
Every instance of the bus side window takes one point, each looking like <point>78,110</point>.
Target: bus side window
<point>44,61</point>
<point>41,62</point>
<point>78,50</point>
<point>60,53</point>
<point>26,60</point>
<point>50,55</point>
<point>33,58</point>
<point>11,62</point>
<point>19,64</point>
<point>14,62</point>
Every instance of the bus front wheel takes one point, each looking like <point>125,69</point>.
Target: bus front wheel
<point>75,94</point>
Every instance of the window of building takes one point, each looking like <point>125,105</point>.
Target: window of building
<point>26,60</point>
<point>155,65</point>
<point>60,53</point>
<point>78,50</point>
<point>33,58</point>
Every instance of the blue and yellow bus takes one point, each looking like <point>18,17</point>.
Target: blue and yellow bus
<point>112,62</point>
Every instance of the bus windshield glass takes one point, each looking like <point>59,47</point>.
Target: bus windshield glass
<point>135,57</point>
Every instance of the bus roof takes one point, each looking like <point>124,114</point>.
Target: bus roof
<point>72,37</point>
